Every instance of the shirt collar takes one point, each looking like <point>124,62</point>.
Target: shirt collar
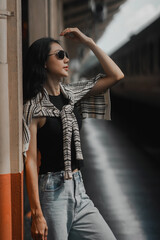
<point>65,91</point>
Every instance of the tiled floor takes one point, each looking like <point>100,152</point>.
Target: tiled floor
<point>121,180</point>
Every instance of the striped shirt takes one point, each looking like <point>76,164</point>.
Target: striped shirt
<point>95,106</point>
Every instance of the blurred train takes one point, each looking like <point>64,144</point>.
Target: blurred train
<point>136,98</point>
<point>139,59</point>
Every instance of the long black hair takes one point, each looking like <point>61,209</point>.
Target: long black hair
<point>34,73</point>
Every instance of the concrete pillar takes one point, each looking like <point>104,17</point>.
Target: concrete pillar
<point>38,19</point>
<point>56,24</point>
<point>11,164</point>
<point>45,19</point>
<point>5,178</point>
<point>55,18</point>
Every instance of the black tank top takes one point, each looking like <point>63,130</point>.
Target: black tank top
<point>50,140</point>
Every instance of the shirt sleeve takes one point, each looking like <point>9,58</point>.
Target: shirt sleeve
<point>26,137</point>
<point>27,117</point>
<point>95,106</point>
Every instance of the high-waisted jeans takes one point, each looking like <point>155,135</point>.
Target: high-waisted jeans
<point>68,210</point>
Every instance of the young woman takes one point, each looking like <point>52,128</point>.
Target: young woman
<point>53,113</point>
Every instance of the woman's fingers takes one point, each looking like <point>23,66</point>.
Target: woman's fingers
<point>68,30</point>
<point>39,228</point>
<point>74,34</point>
<point>68,33</point>
<point>40,236</point>
<point>46,233</point>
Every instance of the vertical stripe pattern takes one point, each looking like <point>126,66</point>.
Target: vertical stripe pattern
<point>93,106</point>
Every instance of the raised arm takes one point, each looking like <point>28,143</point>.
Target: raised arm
<point>113,72</point>
<point>39,226</point>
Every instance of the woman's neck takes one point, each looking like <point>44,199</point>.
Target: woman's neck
<point>52,86</point>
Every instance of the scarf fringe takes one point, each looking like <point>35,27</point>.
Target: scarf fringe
<point>67,174</point>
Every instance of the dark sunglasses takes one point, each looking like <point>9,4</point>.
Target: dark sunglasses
<point>60,54</point>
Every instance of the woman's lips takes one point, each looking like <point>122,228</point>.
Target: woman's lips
<point>66,68</point>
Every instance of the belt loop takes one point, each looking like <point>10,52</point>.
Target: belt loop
<point>80,175</point>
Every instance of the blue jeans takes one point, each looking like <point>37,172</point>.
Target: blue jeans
<point>68,210</point>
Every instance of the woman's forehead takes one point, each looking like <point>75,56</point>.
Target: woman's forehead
<point>56,47</point>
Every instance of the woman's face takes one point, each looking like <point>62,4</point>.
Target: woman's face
<point>56,67</point>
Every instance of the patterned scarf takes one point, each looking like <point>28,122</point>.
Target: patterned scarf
<point>70,126</point>
<point>41,106</point>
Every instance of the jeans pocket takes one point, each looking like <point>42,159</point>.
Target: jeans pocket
<point>51,188</point>
<point>53,183</point>
<point>50,183</point>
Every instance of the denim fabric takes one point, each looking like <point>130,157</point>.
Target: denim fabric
<point>68,210</point>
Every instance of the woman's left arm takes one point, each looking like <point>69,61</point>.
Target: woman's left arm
<point>113,72</point>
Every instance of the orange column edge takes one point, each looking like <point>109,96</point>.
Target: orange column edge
<point>11,206</point>
<point>5,207</point>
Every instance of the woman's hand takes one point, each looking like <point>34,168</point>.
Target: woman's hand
<point>39,229</point>
<point>76,35</point>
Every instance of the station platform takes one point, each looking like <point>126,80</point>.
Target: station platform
<point>122,181</point>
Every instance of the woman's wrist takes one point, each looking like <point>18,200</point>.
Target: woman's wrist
<point>36,213</point>
<point>90,43</point>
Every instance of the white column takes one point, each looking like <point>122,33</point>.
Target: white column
<point>14,42</point>
<point>4,101</point>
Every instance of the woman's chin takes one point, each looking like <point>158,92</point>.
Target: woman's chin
<point>65,74</point>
